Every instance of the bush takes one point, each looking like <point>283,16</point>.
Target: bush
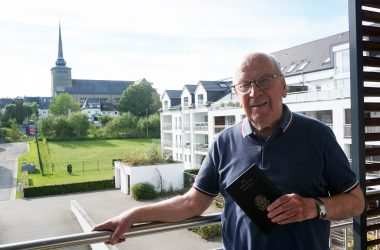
<point>68,188</point>
<point>189,177</point>
<point>208,232</point>
<point>144,191</point>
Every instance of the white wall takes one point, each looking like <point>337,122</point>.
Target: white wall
<point>165,175</point>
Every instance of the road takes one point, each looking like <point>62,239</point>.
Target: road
<point>9,154</point>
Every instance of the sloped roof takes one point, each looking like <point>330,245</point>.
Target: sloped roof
<point>173,93</point>
<point>107,87</point>
<point>191,88</point>
<point>215,85</point>
<point>216,89</point>
<point>43,102</point>
<point>315,54</point>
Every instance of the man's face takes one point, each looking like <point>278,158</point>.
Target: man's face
<point>263,108</point>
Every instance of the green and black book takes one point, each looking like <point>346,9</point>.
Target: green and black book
<point>253,191</point>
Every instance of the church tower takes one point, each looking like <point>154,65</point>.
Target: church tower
<point>60,74</point>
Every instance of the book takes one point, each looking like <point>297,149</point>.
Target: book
<point>253,191</point>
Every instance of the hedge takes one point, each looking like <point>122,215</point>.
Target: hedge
<point>68,188</point>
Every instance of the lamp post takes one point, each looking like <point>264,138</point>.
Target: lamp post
<point>147,125</point>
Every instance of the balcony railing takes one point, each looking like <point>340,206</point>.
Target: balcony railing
<point>95,237</point>
<point>324,95</point>
<point>341,240</point>
<point>200,126</point>
<point>201,147</point>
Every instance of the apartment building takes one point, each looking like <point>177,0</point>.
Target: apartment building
<point>318,81</point>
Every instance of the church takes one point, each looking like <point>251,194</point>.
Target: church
<point>106,91</point>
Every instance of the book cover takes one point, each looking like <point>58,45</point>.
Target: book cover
<point>253,191</point>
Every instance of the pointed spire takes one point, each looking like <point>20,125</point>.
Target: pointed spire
<point>60,61</point>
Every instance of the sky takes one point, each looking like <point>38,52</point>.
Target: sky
<point>170,43</point>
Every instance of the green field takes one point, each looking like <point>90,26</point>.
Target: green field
<point>90,160</point>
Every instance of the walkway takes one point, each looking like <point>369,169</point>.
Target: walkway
<point>9,153</point>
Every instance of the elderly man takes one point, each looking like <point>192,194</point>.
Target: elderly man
<point>299,155</point>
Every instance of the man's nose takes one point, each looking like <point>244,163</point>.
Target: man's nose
<point>254,90</point>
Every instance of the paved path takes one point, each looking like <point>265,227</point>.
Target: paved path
<point>38,218</point>
<point>9,153</point>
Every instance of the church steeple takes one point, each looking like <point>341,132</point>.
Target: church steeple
<point>61,79</point>
<point>60,60</point>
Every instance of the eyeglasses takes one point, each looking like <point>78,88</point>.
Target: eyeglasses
<point>262,83</point>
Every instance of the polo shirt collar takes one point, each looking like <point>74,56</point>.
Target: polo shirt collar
<point>287,117</point>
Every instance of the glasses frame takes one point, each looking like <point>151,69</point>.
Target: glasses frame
<point>273,76</point>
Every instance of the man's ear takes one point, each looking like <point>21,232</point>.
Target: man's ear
<point>283,90</point>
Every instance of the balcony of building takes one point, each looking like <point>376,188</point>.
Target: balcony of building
<point>341,234</point>
<point>200,127</point>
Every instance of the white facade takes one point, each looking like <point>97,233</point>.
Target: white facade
<point>327,99</point>
<point>163,177</point>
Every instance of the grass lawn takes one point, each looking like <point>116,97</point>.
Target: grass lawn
<point>91,160</point>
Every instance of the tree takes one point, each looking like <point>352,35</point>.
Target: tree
<point>125,125</point>
<point>140,99</point>
<point>19,111</point>
<point>104,119</point>
<point>46,127</point>
<point>63,105</point>
<point>79,123</point>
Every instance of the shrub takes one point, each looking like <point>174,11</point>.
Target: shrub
<point>151,156</point>
<point>189,177</point>
<point>68,188</point>
<point>143,191</point>
<point>208,232</point>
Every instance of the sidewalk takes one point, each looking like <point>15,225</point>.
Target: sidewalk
<point>29,219</point>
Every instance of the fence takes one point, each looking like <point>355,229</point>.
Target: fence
<point>79,167</point>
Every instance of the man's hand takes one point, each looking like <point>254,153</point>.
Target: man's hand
<point>118,225</point>
<point>291,208</point>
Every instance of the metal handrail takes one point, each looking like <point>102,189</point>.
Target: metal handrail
<point>102,236</point>
<point>137,230</point>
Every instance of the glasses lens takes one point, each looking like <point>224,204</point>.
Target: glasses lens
<point>243,88</point>
<point>264,82</point>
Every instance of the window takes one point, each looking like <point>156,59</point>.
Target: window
<point>186,101</point>
<point>342,62</point>
<point>290,69</point>
<point>324,116</point>
<point>166,104</point>
<point>200,99</point>
<point>302,65</point>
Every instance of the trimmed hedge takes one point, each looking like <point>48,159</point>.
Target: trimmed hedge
<point>68,188</point>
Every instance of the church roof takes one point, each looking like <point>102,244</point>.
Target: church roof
<point>106,87</point>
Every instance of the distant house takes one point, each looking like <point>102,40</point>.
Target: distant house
<point>43,104</point>
<point>93,108</point>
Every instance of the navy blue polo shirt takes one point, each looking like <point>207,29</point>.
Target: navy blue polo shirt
<point>301,156</point>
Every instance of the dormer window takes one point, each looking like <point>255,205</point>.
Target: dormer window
<point>328,60</point>
<point>290,69</point>
<point>200,99</point>
<point>186,101</point>
<point>302,65</point>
